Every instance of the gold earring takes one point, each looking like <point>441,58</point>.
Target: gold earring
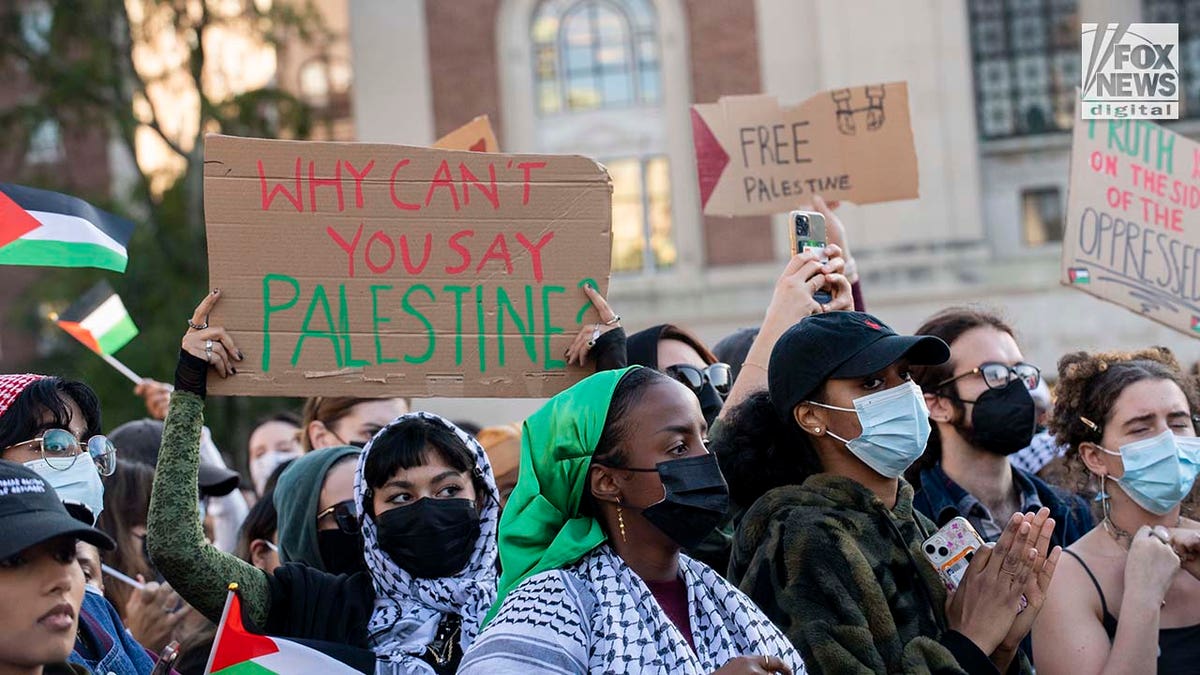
<point>621,523</point>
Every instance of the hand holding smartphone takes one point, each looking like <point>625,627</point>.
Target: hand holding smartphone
<point>807,233</point>
<point>951,548</point>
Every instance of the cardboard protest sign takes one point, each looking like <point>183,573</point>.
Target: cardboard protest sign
<point>476,136</point>
<point>755,157</point>
<point>1133,219</point>
<point>355,269</point>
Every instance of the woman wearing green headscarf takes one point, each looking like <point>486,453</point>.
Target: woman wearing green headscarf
<point>614,481</point>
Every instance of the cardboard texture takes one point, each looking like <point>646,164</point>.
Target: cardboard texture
<point>754,157</point>
<point>1132,235</point>
<point>476,136</point>
<point>354,269</point>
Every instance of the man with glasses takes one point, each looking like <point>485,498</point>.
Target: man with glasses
<point>982,411</point>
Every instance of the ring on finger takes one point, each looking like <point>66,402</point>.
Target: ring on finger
<point>615,320</point>
<point>766,662</point>
<point>208,350</point>
<point>1160,536</point>
<point>193,326</point>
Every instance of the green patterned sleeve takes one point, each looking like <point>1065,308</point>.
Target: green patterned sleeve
<point>197,570</point>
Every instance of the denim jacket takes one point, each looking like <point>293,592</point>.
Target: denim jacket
<point>940,499</point>
<point>103,643</point>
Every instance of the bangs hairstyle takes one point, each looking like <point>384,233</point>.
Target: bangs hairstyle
<point>407,446</point>
<point>23,419</point>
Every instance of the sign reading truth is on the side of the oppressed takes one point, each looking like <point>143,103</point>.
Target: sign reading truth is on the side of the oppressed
<point>356,269</point>
<point>754,157</point>
<point>1133,219</point>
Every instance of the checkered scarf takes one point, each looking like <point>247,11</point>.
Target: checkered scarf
<point>11,387</point>
<point>408,609</point>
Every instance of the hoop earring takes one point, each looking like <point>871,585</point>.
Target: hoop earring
<point>1104,499</point>
<point>621,523</point>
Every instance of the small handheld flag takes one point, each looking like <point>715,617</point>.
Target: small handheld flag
<point>50,229</point>
<point>99,320</point>
<point>237,651</point>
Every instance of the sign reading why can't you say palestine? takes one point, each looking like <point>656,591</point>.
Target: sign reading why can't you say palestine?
<point>358,269</point>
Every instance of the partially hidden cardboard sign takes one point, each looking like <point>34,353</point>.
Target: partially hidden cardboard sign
<point>1132,235</point>
<point>476,136</point>
<point>755,157</point>
<point>354,269</point>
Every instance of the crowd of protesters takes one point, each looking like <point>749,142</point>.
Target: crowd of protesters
<point>762,506</point>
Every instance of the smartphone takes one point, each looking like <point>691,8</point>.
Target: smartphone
<point>951,548</point>
<point>807,233</point>
<point>167,659</point>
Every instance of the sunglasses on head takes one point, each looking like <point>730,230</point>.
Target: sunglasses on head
<point>345,514</point>
<point>60,448</point>
<point>1000,375</point>
<point>718,375</point>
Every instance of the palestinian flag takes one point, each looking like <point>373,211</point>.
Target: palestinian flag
<point>48,229</point>
<point>99,320</point>
<point>1079,275</point>
<point>237,651</point>
<point>1196,323</point>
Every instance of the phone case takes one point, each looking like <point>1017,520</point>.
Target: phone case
<point>951,548</point>
<point>814,239</point>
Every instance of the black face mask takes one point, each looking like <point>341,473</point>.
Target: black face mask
<point>1003,421</point>
<point>696,500</point>
<point>341,552</point>
<point>430,538</point>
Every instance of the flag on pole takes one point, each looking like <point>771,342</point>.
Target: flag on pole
<point>49,229</point>
<point>99,320</point>
<point>237,651</point>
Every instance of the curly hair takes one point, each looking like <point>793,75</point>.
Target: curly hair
<point>1088,387</point>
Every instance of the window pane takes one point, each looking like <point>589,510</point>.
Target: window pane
<point>629,243</point>
<point>1042,215</point>
<point>1026,65</point>
<point>616,88</point>
<point>658,191</point>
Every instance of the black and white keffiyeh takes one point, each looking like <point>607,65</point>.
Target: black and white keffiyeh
<point>408,609</point>
<point>598,616</point>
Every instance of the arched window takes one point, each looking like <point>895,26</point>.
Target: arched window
<point>597,74</point>
<point>591,54</point>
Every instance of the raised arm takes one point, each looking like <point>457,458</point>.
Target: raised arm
<point>197,570</point>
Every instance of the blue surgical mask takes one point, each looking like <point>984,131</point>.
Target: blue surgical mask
<point>895,428</point>
<point>1159,471</point>
<point>79,485</point>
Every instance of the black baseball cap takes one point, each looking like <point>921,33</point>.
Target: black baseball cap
<point>840,345</point>
<point>139,440</point>
<point>31,513</point>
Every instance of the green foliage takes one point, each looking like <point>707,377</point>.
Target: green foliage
<point>84,77</point>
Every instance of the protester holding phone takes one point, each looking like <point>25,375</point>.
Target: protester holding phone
<point>1129,599</point>
<point>831,546</point>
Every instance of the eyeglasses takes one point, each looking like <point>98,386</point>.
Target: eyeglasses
<point>345,514</point>
<point>718,375</point>
<point>1000,375</point>
<point>60,448</point>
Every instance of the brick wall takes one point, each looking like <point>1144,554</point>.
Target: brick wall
<point>462,63</point>
<point>723,39</point>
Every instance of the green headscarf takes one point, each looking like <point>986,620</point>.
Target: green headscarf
<point>297,496</point>
<point>541,528</point>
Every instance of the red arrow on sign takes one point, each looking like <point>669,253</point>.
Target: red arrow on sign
<point>711,158</point>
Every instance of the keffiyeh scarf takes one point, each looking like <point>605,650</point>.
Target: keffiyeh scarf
<point>408,609</point>
<point>598,616</point>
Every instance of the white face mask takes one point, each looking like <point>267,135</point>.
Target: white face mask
<point>78,485</point>
<point>265,464</point>
<point>895,428</point>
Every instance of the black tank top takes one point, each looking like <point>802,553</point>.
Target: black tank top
<point>1178,648</point>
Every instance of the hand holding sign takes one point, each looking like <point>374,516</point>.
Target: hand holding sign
<point>211,343</point>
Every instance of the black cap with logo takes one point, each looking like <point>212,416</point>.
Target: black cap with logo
<point>31,513</point>
<point>836,346</point>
